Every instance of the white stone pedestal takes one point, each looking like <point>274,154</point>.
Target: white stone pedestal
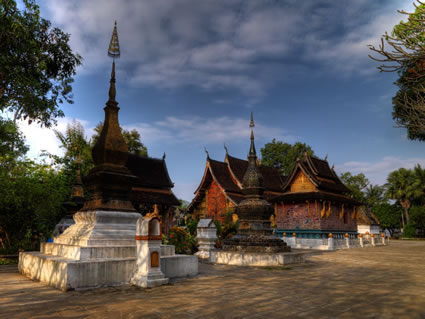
<point>97,251</point>
<point>148,262</point>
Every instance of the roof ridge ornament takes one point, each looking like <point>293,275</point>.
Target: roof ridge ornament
<point>208,154</point>
<point>225,147</point>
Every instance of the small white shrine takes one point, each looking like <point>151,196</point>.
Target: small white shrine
<point>206,237</point>
<point>148,252</point>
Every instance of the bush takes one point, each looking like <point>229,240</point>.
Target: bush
<point>191,225</point>
<point>409,231</point>
<point>184,242</point>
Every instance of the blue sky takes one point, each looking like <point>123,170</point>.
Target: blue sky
<point>191,72</point>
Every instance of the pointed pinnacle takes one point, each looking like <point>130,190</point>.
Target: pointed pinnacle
<point>252,148</point>
<point>251,123</point>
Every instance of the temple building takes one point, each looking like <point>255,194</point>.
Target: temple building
<point>311,203</point>
<point>221,187</point>
<point>315,202</point>
<point>368,223</point>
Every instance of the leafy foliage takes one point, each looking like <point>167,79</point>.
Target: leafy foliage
<point>357,184</point>
<point>400,187</point>
<point>36,64</point>
<point>406,56</point>
<point>228,228</point>
<point>184,242</point>
<point>388,216</point>
<point>417,215</point>
<point>31,203</point>
<point>283,155</point>
<point>12,142</point>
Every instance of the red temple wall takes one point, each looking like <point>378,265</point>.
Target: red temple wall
<point>216,202</point>
<point>298,215</point>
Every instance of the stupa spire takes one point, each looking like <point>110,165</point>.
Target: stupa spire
<point>109,182</point>
<point>253,184</point>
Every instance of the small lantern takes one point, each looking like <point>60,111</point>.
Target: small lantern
<point>294,234</point>
<point>346,235</point>
<point>361,235</point>
<point>371,235</point>
<point>330,235</point>
<point>284,234</point>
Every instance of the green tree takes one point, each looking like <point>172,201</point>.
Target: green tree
<point>76,146</point>
<point>374,195</point>
<point>388,216</point>
<point>12,142</point>
<point>406,56</point>
<point>30,203</point>
<point>417,214</point>
<point>283,155</point>
<point>418,185</point>
<point>357,184</point>
<point>36,64</point>
<point>400,186</point>
<point>132,138</point>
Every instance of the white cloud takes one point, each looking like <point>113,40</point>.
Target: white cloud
<point>204,130</point>
<point>42,139</point>
<point>377,172</point>
<point>226,44</point>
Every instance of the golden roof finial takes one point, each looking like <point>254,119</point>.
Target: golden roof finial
<point>114,45</point>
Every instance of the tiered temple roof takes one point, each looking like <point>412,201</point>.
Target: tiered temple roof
<point>153,184</point>
<point>311,179</point>
<point>229,176</point>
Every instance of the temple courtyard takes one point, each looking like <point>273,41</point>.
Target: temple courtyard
<point>372,282</point>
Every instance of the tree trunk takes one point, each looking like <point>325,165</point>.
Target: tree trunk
<point>406,210</point>
<point>402,219</point>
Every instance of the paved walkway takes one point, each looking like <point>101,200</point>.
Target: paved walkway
<point>381,282</point>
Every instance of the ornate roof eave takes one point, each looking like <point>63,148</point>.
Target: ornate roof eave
<point>206,170</point>
<point>226,160</point>
<point>311,164</point>
<point>166,171</point>
<point>215,179</point>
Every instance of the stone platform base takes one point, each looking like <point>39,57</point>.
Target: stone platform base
<point>179,266</point>
<point>66,274</point>
<point>97,266</point>
<point>256,259</point>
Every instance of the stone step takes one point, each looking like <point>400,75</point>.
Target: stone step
<point>96,252</point>
<point>87,253</point>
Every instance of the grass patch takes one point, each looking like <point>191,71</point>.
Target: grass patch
<point>8,261</point>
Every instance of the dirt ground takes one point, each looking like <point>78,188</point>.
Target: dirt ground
<point>374,282</point>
